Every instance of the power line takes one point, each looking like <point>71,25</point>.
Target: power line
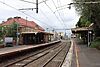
<point>91,2</point>
<point>34,2</point>
<point>52,11</point>
<point>43,1</point>
<point>58,13</point>
<point>47,5</point>
<point>45,16</point>
<point>62,8</point>
<point>31,8</point>
<point>28,1</point>
<point>22,12</point>
<point>27,9</point>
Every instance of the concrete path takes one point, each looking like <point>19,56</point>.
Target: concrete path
<point>84,56</point>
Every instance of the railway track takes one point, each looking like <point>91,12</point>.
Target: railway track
<point>53,59</point>
<point>57,59</point>
<point>38,53</point>
<point>52,56</point>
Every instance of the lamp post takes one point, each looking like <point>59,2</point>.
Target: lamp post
<point>47,29</point>
<point>17,32</point>
<point>89,38</point>
<point>17,35</point>
<point>26,24</point>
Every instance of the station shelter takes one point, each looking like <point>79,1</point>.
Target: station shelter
<point>35,37</point>
<point>85,32</point>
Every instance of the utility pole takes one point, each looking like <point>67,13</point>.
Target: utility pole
<point>36,6</point>
<point>31,8</point>
<point>17,35</point>
<point>26,24</point>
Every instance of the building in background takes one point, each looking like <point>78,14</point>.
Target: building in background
<point>19,26</point>
<point>24,25</point>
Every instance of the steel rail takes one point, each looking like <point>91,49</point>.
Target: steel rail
<point>10,64</point>
<point>52,57</point>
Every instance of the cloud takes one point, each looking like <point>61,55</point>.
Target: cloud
<point>46,17</point>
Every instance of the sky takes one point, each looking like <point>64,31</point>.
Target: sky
<point>52,14</point>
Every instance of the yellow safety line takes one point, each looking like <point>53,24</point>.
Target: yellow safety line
<point>76,54</point>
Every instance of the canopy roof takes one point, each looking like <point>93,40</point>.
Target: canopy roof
<point>82,29</point>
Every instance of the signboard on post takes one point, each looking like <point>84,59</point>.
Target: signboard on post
<point>8,41</point>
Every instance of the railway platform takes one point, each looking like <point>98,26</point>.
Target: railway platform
<point>84,56</point>
<point>7,51</point>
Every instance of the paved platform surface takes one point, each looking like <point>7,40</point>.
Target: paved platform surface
<point>13,49</point>
<point>85,56</point>
<point>7,50</point>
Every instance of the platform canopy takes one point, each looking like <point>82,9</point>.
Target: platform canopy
<point>81,29</point>
<point>37,32</point>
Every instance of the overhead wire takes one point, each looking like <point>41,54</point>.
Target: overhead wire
<point>63,12</point>
<point>34,2</point>
<point>58,1</point>
<point>59,13</point>
<point>28,1</point>
<point>52,11</point>
<point>46,5</point>
<point>43,1</point>
<point>40,10</point>
<point>22,12</point>
<point>45,17</point>
<point>61,9</point>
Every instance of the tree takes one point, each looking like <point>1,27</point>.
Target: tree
<point>1,31</point>
<point>9,30</point>
<point>91,12</point>
<point>13,29</point>
<point>4,30</point>
<point>83,22</point>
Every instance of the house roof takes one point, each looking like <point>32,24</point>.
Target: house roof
<point>23,22</point>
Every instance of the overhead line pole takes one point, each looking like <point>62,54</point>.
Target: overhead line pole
<point>23,12</point>
<point>31,8</point>
<point>36,6</point>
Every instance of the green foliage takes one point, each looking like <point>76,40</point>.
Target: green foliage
<point>97,32</point>
<point>90,11</point>
<point>1,33</point>
<point>13,29</point>
<point>96,43</point>
<point>87,23</point>
<point>9,30</point>
<point>83,22</point>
